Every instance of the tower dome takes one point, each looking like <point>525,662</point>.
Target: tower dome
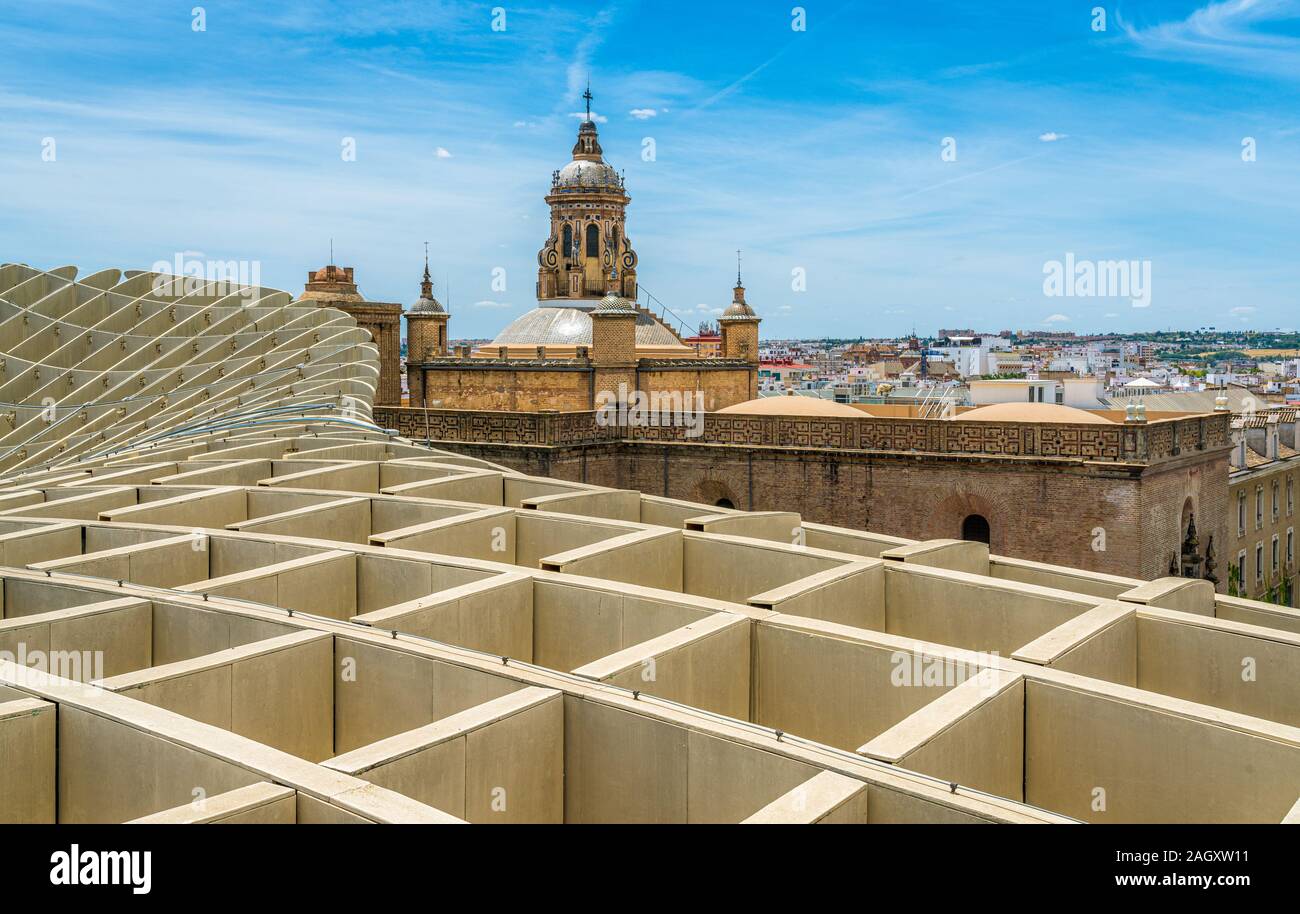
<point>426,303</point>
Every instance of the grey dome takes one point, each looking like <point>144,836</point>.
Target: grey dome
<point>427,305</point>
<point>737,310</point>
<point>614,304</point>
<point>572,327</point>
<point>579,173</point>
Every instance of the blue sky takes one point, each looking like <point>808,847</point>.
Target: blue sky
<point>818,150</point>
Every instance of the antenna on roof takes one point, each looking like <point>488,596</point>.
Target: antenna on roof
<point>331,252</point>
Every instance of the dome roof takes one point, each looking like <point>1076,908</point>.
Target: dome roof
<point>580,173</point>
<point>1032,412</point>
<point>426,305</point>
<point>791,405</point>
<point>331,273</point>
<point>737,310</point>
<point>614,304</point>
<point>572,327</point>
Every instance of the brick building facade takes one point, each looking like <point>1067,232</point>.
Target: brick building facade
<point>1113,499</point>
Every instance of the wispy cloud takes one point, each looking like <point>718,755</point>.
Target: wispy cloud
<point>1052,136</point>
<point>1226,33</point>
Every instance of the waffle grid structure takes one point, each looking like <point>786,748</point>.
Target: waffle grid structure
<point>228,597</point>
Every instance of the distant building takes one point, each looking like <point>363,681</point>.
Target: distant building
<point>588,340</point>
<point>1262,495</point>
<point>335,287</point>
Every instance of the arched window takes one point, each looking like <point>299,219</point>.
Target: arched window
<point>975,528</point>
<point>724,503</point>
<point>593,240</point>
<point>566,246</point>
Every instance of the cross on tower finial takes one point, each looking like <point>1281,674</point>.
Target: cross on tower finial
<point>426,261</point>
<point>587,95</point>
<point>738,282</point>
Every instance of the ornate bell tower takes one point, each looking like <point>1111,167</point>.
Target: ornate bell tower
<point>588,254</point>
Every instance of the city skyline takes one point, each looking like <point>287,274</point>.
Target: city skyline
<point>824,151</point>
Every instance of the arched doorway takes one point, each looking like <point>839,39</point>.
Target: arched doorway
<point>975,528</point>
<point>723,503</point>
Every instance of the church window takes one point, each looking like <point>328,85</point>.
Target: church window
<point>593,240</point>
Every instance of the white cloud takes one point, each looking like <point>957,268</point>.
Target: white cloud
<point>598,118</point>
<point>1242,310</point>
<point>643,114</point>
<point>1056,319</point>
<point>1226,33</point>
<point>1052,136</point>
<point>443,153</point>
<point>491,304</point>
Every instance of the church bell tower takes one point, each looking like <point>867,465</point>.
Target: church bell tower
<point>588,254</point>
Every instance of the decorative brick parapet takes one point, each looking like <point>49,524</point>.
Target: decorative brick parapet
<point>1145,443</point>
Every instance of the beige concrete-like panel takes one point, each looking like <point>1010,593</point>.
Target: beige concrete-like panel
<point>973,736</point>
<point>735,568</point>
<point>827,798</point>
<point>1242,668</point>
<point>1092,583</point>
<point>705,664</point>
<point>184,632</point>
<point>488,534</point>
<point>312,811</point>
<point>972,611</point>
<point>1251,612</point>
<point>278,692</point>
<point>498,762</point>
<point>650,558</point>
<point>113,772</point>
<point>345,520</point>
<point>415,765</point>
<point>621,767</point>
<point>850,595</point>
<point>851,542</point>
<point>954,555</point>
<point>40,544</point>
<point>259,804</point>
<point>573,625</point>
<point>539,534</point>
<point>1182,594</point>
<point>323,584</point>
<point>285,698</point>
<point>1151,762</point>
<point>100,639</point>
<point>729,782</point>
<point>833,687</point>
<point>611,504</point>
<point>494,615</point>
<point>1101,643</point>
<point>28,762</point>
<point>380,692</point>
<point>777,526</point>
<point>479,487</point>
<point>514,767</point>
<point>161,563</point>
